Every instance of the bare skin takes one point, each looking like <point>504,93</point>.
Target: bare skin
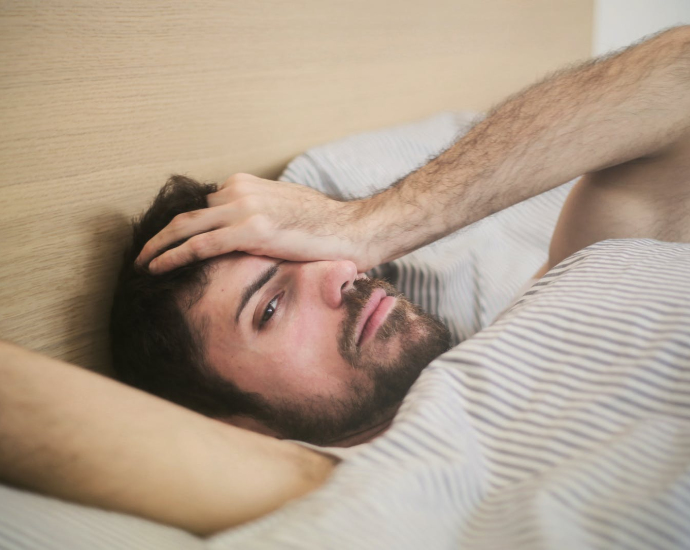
<point>645,198</point>
<point>624,121</point>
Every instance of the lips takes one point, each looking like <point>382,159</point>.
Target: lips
<point>373,315</point>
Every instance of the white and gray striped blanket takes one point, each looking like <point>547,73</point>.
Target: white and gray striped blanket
<point>564,424</point>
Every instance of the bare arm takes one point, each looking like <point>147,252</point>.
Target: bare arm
<point>585,119</point>
<point>645,198</point>
<point>599,115</point>
<point>79,436</point>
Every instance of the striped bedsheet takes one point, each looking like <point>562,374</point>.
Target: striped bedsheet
<point>565,424</point>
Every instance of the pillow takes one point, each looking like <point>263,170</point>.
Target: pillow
<point>466,279</point>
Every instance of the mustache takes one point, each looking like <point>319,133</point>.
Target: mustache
<point>355,299</point>
<point>354,302</point>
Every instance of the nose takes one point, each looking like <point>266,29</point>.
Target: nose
<point>334,279</point>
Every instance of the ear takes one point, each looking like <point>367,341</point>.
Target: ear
<point>251,424</point>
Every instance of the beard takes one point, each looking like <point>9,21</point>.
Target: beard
<point>419,338</point>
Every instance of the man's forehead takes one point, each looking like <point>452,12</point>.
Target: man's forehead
<point>235,270</point>
<point>241,261</point>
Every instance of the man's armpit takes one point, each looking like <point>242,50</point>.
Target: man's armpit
<point>645,198</point>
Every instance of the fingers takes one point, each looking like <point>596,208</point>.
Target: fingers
<point>251,234</point>
<point>227,206</point>
<point>251,215</point>
<point>183,227</point>
<point>199,247</point>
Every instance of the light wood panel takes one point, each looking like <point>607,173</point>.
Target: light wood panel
<point>101,101</point>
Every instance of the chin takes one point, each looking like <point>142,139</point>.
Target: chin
<point>389,351</point>
<point>392,349</point>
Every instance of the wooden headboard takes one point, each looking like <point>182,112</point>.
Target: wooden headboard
<point>102,100</point>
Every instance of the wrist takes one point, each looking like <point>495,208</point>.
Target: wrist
<point>361,243</point>
<point>385,226</point>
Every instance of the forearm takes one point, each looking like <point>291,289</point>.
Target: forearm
<point>582,120</point>
<point>76,435</point>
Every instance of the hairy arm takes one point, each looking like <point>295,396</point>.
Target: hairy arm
<point>586,119</point>
<point>601,114</point>
<point>80,436</point>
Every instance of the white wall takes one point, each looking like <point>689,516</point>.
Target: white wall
<point>618,23</point>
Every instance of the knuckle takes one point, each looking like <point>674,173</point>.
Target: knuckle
<point>233,180</point>
<point>239,183</point>
<point>165,260</point>
<point>192,215</point>
<point>180,223</point>
<point>204,245</point>
<point>197,245</point>
<point>228,182</point>
<point>177,221</point>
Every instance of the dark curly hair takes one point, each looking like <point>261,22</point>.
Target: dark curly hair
<point>153,345</point>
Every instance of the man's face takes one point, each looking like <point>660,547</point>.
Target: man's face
<point>330,351</point>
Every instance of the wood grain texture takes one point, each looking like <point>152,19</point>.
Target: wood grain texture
<point>101,101</point>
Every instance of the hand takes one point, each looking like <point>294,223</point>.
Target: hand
<point>264,218</point>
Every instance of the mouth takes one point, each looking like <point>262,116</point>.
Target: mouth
<point>373,315</point>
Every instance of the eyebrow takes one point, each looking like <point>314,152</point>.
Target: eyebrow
<point>254,287</point>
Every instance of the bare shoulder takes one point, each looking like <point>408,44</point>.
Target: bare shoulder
<point>648,197</point>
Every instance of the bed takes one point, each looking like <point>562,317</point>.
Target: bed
<point>102,102</point>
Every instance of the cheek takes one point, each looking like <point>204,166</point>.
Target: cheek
<point>309,351</point>
<point>311,332</point>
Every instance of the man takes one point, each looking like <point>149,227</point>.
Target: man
<point>312,351</point>
<point>623,121</point>
<point>631,142</point>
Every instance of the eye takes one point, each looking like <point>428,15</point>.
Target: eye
<point>268,312</point>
